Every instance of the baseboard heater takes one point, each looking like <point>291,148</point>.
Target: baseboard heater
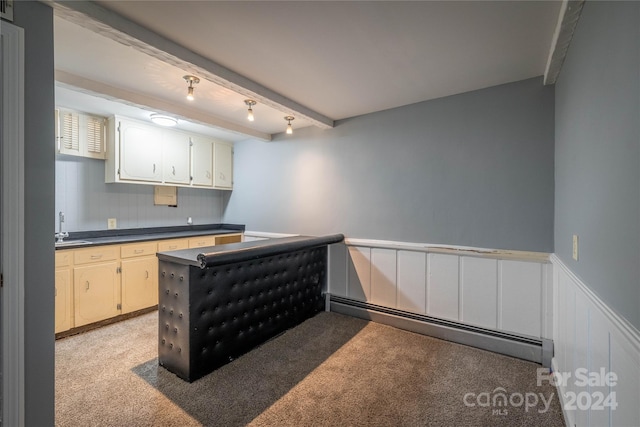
<point>523,347</point>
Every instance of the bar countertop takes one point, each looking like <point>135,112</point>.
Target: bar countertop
<point>237,252</point>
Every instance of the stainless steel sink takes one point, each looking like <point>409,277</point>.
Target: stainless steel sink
<point>72,243</point>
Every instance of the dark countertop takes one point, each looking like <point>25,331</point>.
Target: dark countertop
<point>114,237</point>
<point>237,252</point>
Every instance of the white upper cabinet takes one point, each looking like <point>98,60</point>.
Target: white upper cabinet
<point>175,157</point>
<point>222,165</point>
<point>142,153</point>
<point>80,134</point>
<point>202,162</point>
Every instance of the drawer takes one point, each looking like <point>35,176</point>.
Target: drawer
<point>202,241</point>
<point>97,254</point>
<point>63,258</point>
<point>228,238</point>
<point>138,249</point>
<point>173,245</point>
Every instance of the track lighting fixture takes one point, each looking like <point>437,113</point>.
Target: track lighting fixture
<point>250,103</point>
<point>192,80</point>
<point>289,128</point>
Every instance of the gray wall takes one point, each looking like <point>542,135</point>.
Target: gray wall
<point>37,21</point>
<point>598,154</point>
<point>87,201</point>
<point>473,169</point>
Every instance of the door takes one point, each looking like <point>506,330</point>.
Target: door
<point>175,157</point>
<point>223,165</point>
<point>139,283</point>
<point>140,152</point>
<point>63,300</point>
<point>202,162</point>
<point>96,293</point>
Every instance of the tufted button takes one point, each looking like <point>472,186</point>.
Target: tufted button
<point>173,275</point>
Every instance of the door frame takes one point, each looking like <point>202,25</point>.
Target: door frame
<point>12,227</point>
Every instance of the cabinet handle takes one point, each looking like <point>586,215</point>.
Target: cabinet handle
<point>86,286</point>
<point>138,251</point>
<point>208,174</point>
<point>173,170</point>
<point>147,274</point>
<point>154,168</point>
<point>96,256</point>
<point>173,246</point>
<point>55,292</point>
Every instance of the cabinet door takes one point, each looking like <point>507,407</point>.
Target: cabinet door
<point>175,157</point>
<point>140,152</point>
<point>202,162</point>
<point>63,300</point>
<point>96,290</point>
<point>139,283</point>
<point>222,165</point>
<point>67,126</point>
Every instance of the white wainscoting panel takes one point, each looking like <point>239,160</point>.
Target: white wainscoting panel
<point>520,287</point>
<point>383,277</point>
<point>442,286</point>
<point>479,299</point>
<point>588,335</point>
<point>359,274</point>
<point>501,290</point>
<point>412,281</point>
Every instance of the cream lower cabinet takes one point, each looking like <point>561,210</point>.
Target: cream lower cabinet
<point>139,283</point>
<point>63,291</point>
<point>101,282</point>
<point>63,299</point>
<point>96,292</point>
<point>139,268</point>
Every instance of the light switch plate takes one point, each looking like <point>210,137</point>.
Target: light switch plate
<point>112,223</point>
<point>575,247</point>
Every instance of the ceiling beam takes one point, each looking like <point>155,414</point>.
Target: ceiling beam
<point>565,27</point>
<point>116,27</point>
<point>139,100</point>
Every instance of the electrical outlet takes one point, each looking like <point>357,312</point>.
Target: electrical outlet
<point>575,247</point>
<point>112,223</point>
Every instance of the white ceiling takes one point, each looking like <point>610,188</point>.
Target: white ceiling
<point>339,59</point>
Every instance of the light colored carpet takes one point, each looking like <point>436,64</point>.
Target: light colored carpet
<point>331,370</point>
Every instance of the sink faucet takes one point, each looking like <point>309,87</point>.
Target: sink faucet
<point>60,235</point>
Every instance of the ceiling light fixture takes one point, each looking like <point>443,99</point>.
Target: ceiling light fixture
<point>162,120</point>
<point>192,80</point>
<point>250,103</point>
<point>289,128</point>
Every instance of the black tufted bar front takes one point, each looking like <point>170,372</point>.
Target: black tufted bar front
<point>222,304</point>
